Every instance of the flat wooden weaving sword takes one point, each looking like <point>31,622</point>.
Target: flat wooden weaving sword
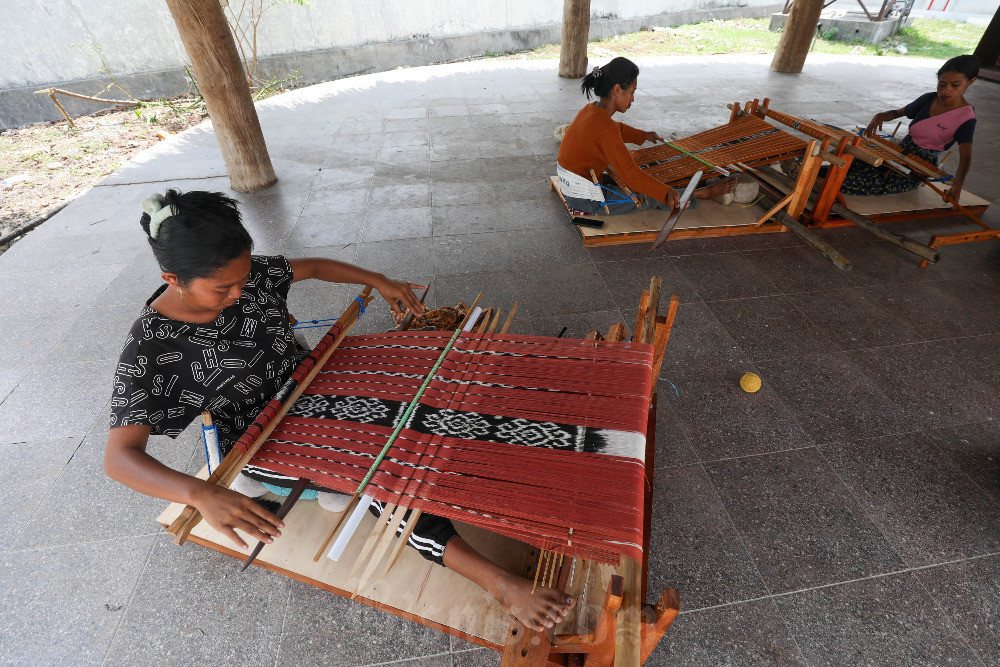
<point>668,226</point>
<point>286,505</point>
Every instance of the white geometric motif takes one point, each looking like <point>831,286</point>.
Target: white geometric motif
<point>535,434</point>
<point>458,424</point>
<point>359,409</point>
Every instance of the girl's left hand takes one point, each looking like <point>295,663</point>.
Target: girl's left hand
<point>954,192</point>
<point>395,291</point>
<point>654,137</point>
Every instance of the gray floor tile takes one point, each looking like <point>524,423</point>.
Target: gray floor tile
<point>558,289</point>
<point>878,263</point>
<point>746,634</point>
<point>967,593</point>
<point>926,381</point>
<point>722,421</point>
<point>833,398</point>
<point>76,345</point>
<point>194,607</point>
<point>86,504</point>
<point>10,377</point>
<point>883,621</point>
<point>850,320</point>
<point>797,269</point>
<point>769,327</point>
<point>973,449</point>
<point>932,310</point>
<point>35,466</point>
<point>133,285</point>
<point>698,338</point>
<point>801,526</point>
<point>403,223</point>
<point>672,445</point>
<point>466,219</point>
<point>399,259</point>
<point>336,203</point>
<point>479,657</point>
<point>519,212</point>
<point>64,603</point>
<point>327,625</point>
<point>73,396</point>
<point>921,500</point>
<point>27,335</point>
<point>724,275</point>
<point>472,253</point>
<point>56,290</point>
<point>327,230</point>
<point>400,196</point>
<point>694,546</point>
<point>449,193</point>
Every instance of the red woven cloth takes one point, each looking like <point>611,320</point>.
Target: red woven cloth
<point>539,439</point>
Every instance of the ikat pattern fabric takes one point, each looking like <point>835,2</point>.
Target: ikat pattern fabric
<point>169,371</point>
<point>470,425</point>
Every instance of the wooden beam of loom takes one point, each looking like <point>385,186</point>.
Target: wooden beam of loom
<point>569,566</point>
<point>237,459</point>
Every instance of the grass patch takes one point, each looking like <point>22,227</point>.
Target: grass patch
<point>925,38</point>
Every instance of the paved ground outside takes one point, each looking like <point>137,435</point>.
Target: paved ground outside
<point>847,513</point>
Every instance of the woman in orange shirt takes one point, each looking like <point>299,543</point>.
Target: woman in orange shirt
<point>593,141</point>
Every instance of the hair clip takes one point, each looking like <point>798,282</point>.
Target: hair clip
<point>153,205</point>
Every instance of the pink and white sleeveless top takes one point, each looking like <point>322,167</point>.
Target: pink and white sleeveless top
<point>936,132</point>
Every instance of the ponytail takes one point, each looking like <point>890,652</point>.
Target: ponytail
<point>601,80</point>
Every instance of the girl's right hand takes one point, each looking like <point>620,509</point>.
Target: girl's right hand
<point>226,510</point>
<point>875,125</point>
<point>673,198</point>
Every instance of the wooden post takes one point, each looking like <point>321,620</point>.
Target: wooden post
<point>221,80</point>
<point>800,28</point>
<point>575,33</point>
<point>988,50</point>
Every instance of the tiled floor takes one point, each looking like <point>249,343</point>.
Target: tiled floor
<point>846,513</point>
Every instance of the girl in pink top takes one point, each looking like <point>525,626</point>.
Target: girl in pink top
<point>940,119</point>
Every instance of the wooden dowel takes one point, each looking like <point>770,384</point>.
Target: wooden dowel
<point>593,177</point>
<point>236,460</point>
<point>770,213</point>
<point>509,320</point>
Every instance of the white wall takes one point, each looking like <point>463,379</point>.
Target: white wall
<point>37,36</point>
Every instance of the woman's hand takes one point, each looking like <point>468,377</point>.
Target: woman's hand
<point>954,192</point>
<point>875,124</point>
<point>654,137</point>
<point>673,198</point>
<point>395,292</point>
<point>226,510</point>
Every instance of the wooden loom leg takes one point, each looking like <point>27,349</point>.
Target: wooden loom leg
<point>804,184</point>
<point>663,615</point>
<point>603,653</point>
<point>831,184</point>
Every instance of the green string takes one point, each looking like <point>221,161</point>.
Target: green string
<point>409,410</point>
<point>691,155</point>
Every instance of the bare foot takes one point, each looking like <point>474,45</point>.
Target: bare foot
<point>727,184</point>
<point>538,611</point>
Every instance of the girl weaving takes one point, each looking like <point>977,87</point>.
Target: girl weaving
<point>593,141</point>
<point>217,336</point>
<point>940,119</point>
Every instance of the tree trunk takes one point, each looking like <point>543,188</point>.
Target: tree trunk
<point>800,28</point>
<point>575,33</point>
<point>222,82</point>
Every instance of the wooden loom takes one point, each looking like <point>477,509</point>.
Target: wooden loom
<point>828,204</point>
<point>813,200</point>
<point>591,632</point>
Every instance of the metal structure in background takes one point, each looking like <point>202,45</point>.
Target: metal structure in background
<point>890,9</point>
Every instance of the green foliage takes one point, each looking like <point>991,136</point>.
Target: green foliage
<point>924,38</point>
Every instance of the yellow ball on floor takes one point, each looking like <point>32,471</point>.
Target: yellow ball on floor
<point>750,382</point>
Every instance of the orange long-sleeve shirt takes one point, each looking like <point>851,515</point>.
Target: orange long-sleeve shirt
<point>593,141</point>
